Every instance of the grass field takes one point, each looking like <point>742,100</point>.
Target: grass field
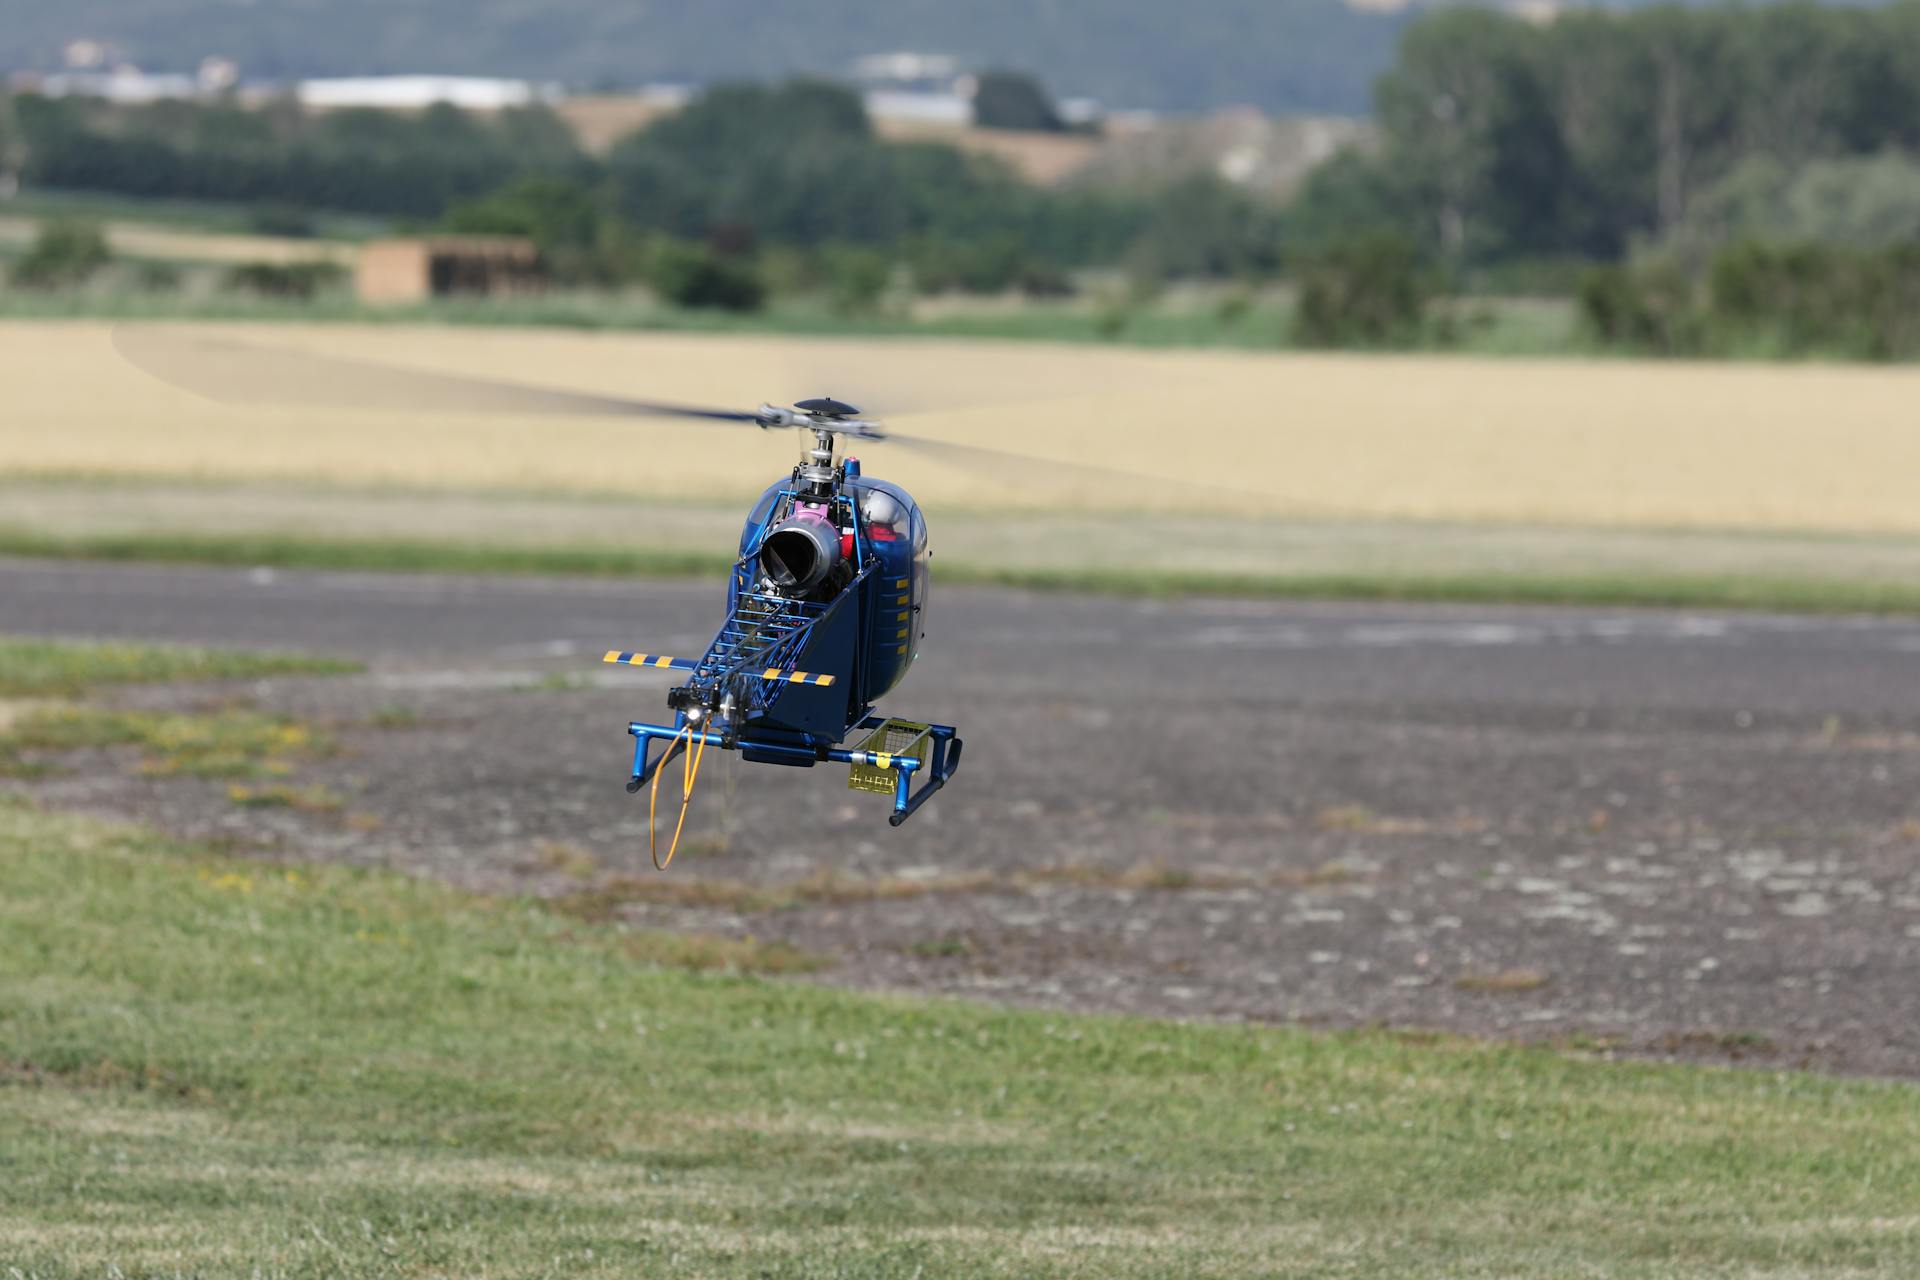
<point>212,1068</point>
<point>159,242</point>
<point>290,525</point>
<point>1607,443</point>
<point>43,669</point>
<point>1407,476</point>
<point>209,217</point>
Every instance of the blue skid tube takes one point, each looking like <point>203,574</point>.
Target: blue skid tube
<point>944,764</point>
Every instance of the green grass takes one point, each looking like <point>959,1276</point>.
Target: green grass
<point>218,1068</point>
<point>63,669</point>
<point>1501,327</point>
<point>214,217</point>
<point>1738,590</point>
<point>231,742</point>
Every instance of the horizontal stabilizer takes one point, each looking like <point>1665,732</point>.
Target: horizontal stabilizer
<point>775,674</point>
<point>794,677</point>
<point>649,660</point>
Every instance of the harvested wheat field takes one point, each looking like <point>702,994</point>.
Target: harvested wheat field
<point>1602,443</point>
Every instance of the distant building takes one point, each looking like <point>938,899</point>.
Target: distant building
<point>123,84</point>
<point>402,93</point>
<point>394,272</point>
<point>914,90</point>
<point>920,107</point>
<point>908,70</point>
<point>95,69</point>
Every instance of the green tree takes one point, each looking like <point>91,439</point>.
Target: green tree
<point>1369,291</point>
<point>1648,307</point>
<point>1355,192</point>
<point>1446,107</point>
<point>857,278</point>
<point>1205,227</point>
<point>560,214</point>
<point>798,165</point>
<point>294,280</point>
<point>64,255</point>
<point>694,276</point>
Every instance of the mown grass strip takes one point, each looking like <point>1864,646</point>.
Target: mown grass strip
<point>281,551</point>
<point>32,668</point>
<point>219,1068</point>
<point>1719,591</point>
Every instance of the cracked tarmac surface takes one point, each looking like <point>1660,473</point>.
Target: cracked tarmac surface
<point>1664,833</point>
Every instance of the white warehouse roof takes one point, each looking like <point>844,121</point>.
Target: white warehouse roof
<point>472,92</point>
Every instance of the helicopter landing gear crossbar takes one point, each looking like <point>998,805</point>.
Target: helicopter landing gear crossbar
<point>938,759</point>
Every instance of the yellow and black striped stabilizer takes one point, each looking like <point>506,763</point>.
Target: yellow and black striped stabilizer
<point>649,660</point>
<point>688,664</point>
<point>794,677</point>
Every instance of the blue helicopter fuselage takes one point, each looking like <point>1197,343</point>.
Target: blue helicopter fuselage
<point>864,630</point>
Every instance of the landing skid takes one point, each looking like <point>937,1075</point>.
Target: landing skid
<point>939,760</point>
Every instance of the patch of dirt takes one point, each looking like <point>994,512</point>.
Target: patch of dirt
<point>1650,883</point>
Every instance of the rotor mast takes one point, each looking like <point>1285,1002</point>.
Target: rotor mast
<point>827,419</point>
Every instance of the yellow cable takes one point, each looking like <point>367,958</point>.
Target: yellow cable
<point>690,774</point>
<point>653,800</point>
<point>686,798</point>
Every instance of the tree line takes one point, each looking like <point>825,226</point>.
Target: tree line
<point>743,169</point>
<point>357,160</point>
<point>1590,133</point>
<point>1693,176</point>
<point>1706,180</point>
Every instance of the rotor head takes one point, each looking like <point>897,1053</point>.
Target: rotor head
<point>827,407</point>
<point>821,414</point>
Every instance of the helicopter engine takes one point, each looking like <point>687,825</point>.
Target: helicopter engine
<point>802,552</point>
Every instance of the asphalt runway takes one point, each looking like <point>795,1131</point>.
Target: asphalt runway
<point>1667,832</point>
<point>1110,650</point>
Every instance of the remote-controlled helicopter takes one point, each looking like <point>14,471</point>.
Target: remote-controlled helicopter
<point>826,607</point>
<point>826,602</point>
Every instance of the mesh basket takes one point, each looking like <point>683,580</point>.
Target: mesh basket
<point>894,738</point>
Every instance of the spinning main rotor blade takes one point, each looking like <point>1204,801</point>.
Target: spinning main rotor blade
<point>237,373</point>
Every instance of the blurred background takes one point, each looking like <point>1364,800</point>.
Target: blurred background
<point>1309,174</point>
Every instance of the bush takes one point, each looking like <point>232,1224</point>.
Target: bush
<point>1649,307</point>
<point>157,277</point>
<point>1371,291</point>
<point>1776,299</point>
<point>64,255</point>
<point>857,279</point>
<point>280,219</point>
<point>996,264</point>
<point>300,280</point>
<point>1805,298</point>
<point>691,276</point>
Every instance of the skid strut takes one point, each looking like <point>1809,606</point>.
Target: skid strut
<point>942,758</point>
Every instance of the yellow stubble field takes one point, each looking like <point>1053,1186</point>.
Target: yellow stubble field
<point>1608,443</point>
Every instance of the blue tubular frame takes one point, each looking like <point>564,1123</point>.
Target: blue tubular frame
<point>944,764</point>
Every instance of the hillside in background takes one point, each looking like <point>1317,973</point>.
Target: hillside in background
<point>1285,55</point>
